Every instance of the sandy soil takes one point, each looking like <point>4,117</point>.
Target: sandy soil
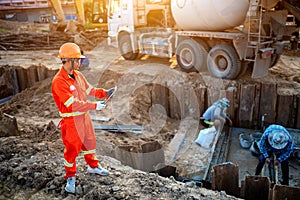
<point>31,167</point>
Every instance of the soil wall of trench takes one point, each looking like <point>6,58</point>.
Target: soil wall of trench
<point>184,95</point>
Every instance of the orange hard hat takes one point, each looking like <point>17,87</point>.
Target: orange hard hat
<point>70,50</point>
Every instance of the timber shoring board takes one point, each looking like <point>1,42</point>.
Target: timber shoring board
<point>175,103</point>
<point>42,73</point>
<point>145,157</point>
<point>22,78</point>
<point>246,105</point>
<point>230,95</point>
<point>256,187</point>
<point>32,75</point>
<point>256,118</point>
<point>160,96</point>
<point>297,120</point>
<point>285,192</point>
<point>201,99</point>
<point>285,108</point>
<point>267,105</point>
<point>225,177</point>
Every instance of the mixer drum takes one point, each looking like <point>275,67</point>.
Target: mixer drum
<point>209,15</point>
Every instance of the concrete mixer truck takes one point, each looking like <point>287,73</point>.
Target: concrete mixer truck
<point>223,36</point>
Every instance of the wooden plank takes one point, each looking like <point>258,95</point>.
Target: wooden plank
<point>257,187</point>
<point>153,156</point>
<point>51,72</point>
<point>286,192</point>
<point>32,75</point>
<point>297,120</point>
<point>174,146</point>
<point>129,155</point>
<point>225,177</point>
<point>246,107</point>
<point>160,95</point>
<point>145,157</point>
<point>267,105</point>
<point>175,102</point>
<point>242,191</point>
<point>14,82</point>
<point>41,72</point>
<point>230,95</point>
<point>285,108</point>
<point>191,103</point>
<point>187,100</point>
<point>256,118</point>
<point>213,96</point>
<point>201,99</point>
<point>22,78</point>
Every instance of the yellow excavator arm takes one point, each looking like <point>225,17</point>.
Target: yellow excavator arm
<point>59,13</point>
<point>80,12</point>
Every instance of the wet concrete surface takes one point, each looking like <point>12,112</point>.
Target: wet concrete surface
<point>247,161</point>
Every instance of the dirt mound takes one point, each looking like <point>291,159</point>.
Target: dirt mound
<point>32,169</point>
<point>23,36</point>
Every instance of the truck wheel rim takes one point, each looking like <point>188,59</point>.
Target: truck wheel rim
<point>222,61</point>
<point>187,57</point>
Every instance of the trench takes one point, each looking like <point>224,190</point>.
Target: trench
<point>275,105</point>
<point>15,79</point>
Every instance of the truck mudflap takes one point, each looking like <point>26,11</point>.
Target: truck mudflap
<point>262,63</point>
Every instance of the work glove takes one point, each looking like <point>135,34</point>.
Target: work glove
<point>110,92</point>
<point>100,105</point>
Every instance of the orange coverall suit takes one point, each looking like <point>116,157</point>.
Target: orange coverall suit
<point>76,125</point>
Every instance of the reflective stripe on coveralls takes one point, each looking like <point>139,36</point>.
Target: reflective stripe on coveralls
<point>89,152</point>
<point>68,164</point>
<point>89,89</point>
<point>208,122</point>
<point>73,114</point>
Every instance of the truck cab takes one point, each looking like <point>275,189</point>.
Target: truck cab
<point>125,16</point>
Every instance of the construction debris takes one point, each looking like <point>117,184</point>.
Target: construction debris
<point>8,125</point>
<point>119,128</point>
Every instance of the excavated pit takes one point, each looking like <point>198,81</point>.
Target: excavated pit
<point>160,100</point>
<point>165,102</point>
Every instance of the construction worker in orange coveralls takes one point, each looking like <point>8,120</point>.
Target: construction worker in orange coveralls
<point>70,90</point>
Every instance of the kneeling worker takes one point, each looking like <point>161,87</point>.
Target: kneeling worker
<point>276,139</point>
<point>215,115</point>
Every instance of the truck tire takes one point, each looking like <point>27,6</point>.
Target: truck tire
<point>126,48</point>
<point>223,62</point>
<point>190,55</point>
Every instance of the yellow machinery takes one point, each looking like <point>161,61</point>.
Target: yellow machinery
<point>93,12</point>
<point>99,13</point>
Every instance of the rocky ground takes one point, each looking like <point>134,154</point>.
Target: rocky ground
<point>32,161</point>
